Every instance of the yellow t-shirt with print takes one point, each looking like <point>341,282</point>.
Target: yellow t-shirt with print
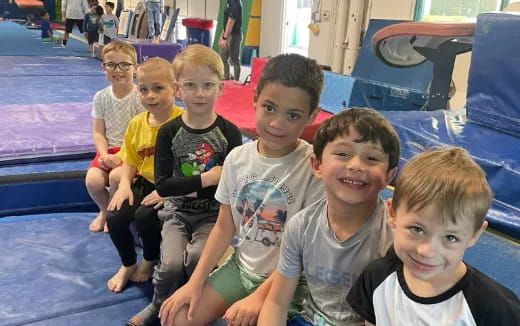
<point>138,147</point>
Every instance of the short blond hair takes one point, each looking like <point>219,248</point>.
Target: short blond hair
<point>447,178</point>
<point>157,65</point>
<point>121,47</point>
<point>197,55</point>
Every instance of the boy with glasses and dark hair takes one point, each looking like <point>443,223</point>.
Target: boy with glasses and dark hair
<point>189,155</point>
<point>136,200</point>
<point>112,109</point>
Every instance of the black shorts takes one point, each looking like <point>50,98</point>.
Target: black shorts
<point>92,37</point>
<point>106,40</point>
<point>69,24</point>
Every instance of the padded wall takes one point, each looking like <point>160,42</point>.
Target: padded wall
<point>495,73</point>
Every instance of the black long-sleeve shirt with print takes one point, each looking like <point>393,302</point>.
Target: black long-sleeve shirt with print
<point>182,154</point>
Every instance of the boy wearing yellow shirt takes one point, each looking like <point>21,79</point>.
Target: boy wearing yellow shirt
<point>136,200</point>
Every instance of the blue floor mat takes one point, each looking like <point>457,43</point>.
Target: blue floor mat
<point>54,272</point>
<point>27,66</point>
<point>50,89</point>
<point>18,40</point>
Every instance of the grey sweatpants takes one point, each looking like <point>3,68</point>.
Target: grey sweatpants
<point>232,51</point>
<point>183,238</point>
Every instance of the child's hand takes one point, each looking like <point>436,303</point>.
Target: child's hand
<point>111,161</point>
<point>212,177</point>
<point>122,194</point>
<point>187,295</point>
<point>244,312</point>
<point>101,162</point>
<point>153,198</point>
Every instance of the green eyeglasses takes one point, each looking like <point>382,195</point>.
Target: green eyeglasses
<point>123,66</point>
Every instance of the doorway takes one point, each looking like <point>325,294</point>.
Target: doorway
<point>297,16</point>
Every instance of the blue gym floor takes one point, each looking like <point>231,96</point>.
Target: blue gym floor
<point>53,271</point>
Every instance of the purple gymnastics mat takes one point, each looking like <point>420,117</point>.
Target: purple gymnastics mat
<point>40,130</point>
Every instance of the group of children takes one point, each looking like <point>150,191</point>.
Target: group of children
<point>315,245</point>
<point>98,25</point>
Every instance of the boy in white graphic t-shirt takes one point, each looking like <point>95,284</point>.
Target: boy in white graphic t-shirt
<point>263,184</point>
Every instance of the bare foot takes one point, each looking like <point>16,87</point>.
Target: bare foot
<point>118,282</point>
<point>98,224</point>
<point>144,271</point>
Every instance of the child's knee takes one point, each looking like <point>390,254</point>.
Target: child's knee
<point>114,177</point>
<point>145,218</point>
<point>192,257</point>
<point>95,180</point>
<point>181,320</point>
<point>118,219</point>
<point>172,264</point>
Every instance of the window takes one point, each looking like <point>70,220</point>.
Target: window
<point>456,10</point>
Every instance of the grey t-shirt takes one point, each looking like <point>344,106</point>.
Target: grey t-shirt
<point>331,266</point>
<point>110,25</point>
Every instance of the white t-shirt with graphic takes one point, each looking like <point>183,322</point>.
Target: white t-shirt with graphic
<point>264,193</point>
<point>116,113</point>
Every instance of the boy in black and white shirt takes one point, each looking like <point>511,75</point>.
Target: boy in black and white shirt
<point>440,201</point>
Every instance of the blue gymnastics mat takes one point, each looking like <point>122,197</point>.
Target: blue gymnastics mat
<point>27,66</point>
<point>49,79</point>
<point>54,272</point>
<point>49,98</point>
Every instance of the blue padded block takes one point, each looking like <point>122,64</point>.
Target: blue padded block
<point>52,195</point>
<point>337,89</point>
<point>386,97</point>
<point>370,67</point>
<point>384,87</point>
<point>54,272</point>
<point>65,166</point>
<point>497,153</point>
<point>492,98</point>
<point>44,187</point>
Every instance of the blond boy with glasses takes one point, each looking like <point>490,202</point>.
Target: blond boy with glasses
<point>189,155</point>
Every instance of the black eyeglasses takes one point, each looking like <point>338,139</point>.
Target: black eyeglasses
<point>123,66</point>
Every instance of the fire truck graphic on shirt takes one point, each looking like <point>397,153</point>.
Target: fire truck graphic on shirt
<point>264,210</point>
